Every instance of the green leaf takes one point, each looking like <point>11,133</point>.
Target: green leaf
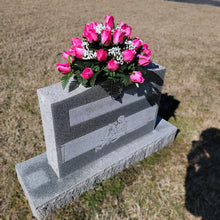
<point>143,70</point>
<point>68,59</point>
<point>93,79</point>
<point>107,72</point>
<point>79,64</point>
<point>70,74</point>
<point>77,72</point>
<point>73,85</point>
<point>137,85</point>
<point>96,68</point>
<point>122,68</point>
<point>126,80</point>
<point>84,82</point>
<point>65,80</point>
<point>106,69</point>
<point>120,75</point>
<point>131,67</point>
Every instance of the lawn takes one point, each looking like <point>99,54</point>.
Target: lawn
<point>181,181</point>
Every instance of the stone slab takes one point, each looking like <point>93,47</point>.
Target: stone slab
<point>72,119</point>
<point>46,192</point>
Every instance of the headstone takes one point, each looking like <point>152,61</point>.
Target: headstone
<point>83,125</point>
<point>91,135</point>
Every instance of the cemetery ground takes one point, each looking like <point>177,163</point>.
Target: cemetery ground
<point>181,181</point>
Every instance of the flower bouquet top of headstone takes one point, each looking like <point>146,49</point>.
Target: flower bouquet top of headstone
<point>106,52</point>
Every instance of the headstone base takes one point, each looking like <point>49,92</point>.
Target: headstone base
<point>46,192</point>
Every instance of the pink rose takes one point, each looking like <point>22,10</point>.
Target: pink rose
<point>77,48</point>
<point>102,55</point>
<point>126,29</point>
<point>113,65</point>
<point>118,36</point>
<point>66,54</point>
<point>72,52</point>
<point>146,52</point>
<point>137,42</point>
<point>79,51</point>
<point>94,24</point>
<point>109,21</point>
<point>87,73</point>
<point>144,46</point>
<point>121,24</point>
<point>106,36</point>
<point>143,60</point>
<point>76,41</point>
<point>63,67</point>
<point>128,55</point>
<point>137,77</point>
<point>90,33</point>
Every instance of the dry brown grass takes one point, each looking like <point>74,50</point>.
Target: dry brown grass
<point>184,38</point>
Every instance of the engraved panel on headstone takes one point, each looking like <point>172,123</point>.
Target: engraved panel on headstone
<point>113,132</point>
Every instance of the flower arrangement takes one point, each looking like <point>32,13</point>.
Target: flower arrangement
<point>107,52</point>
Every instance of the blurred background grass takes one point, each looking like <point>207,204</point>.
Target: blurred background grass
<point>181,181</point>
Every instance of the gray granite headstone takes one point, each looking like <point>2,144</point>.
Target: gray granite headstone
<point>91,135</point>
<point>85,124</point>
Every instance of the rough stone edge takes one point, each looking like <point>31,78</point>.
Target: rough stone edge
<point>70,195</point>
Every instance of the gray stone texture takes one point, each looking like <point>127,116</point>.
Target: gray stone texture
<point>46,192</point>
<point>85,124</point>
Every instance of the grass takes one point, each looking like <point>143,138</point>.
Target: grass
<point>184,38</point>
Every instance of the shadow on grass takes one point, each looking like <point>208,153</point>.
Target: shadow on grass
<point>168,106</point>
<point>201,2</point>
<point>202,181</point>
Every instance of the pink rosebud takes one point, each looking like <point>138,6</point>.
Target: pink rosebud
<point>147,52</point>
<point>94,24</point>
<point>113,65</point>
<point>87,73</point>
<point>79,51</point>
<point>118,36</point>
<point>63,67</point>
<point>109,21</point>
<point>102,55</point>
<point>121,24</point>
<point>126,29</point>
<point>72,51</point>
<point>128,55</point>
<point>76,41</point>
<point>145,46</point>
<point>77,48</point>
<point>143,60</point>
<point>106,36</point>
<point>137,42</point>
<point>137,77</point>
<point>66,54</point>
<point>127,32</point>
<point>90,33</point>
